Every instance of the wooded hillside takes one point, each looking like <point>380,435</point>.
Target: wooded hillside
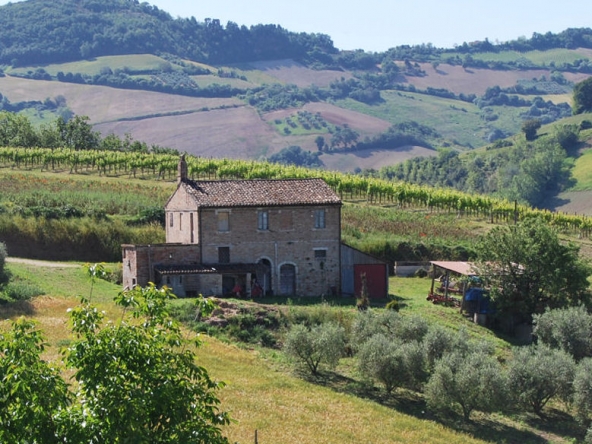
<point>41,31</point>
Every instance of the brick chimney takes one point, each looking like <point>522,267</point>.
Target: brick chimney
<point>181,169</point>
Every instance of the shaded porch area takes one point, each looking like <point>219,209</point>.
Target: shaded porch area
<point>190,280</point>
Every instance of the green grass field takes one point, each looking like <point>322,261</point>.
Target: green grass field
<point>558,56</point>
<point>252,74</point>
<point>264,393</point>
<point>208,80</point>
<point>582,172</point>
<point>137,62</point>
<point>455,120</point>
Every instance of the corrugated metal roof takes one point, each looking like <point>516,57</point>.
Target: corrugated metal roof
<point>261,192</point>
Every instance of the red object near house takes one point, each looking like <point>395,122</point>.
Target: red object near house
<point>376,280</point>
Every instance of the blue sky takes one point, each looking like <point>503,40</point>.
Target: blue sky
<point>376,25</point>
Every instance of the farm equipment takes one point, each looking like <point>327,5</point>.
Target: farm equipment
<point>438,298</point>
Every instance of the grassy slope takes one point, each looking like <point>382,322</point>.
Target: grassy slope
<point>577,199</point>
<point>539,57</point>
<point>259,395</point>
<point>264,395</point>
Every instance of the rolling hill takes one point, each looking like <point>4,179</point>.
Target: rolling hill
<point>195,87</point>
<point>229,127</point>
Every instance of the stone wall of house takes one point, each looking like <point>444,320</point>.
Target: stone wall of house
<point>290,239</point>
<point>301,245</point>
<point>139,260</point>
<point>181,218</point>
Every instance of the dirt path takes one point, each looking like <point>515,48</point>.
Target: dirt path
<point>38,263</point>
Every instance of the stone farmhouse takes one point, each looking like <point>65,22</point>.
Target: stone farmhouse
<point>226,236</point>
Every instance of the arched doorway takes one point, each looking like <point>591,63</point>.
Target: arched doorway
<point>288,279</point>
<point>264,276</point>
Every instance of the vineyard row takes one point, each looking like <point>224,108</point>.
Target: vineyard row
<point>378,191</point>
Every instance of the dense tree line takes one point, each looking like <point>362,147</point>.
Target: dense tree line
<point>524,171</point>
<point>174,82</point>
<point>295,155</point>
<point>16,130</point>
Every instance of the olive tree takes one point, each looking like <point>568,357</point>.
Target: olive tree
<point>440,340</point>
<point>389,323</point>
<point>569,329</point>
<point>471,380</point>
<point>320,344</point>
<point>392,362</point>
<point>538,374</point>
<point>379,360</point>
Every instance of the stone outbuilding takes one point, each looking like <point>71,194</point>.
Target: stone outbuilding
<point>280,237</point>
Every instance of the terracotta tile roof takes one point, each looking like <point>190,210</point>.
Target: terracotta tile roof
<point>207,268</point>
<point>261,192</point>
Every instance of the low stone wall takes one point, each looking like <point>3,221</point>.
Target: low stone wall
<point>408,269</point>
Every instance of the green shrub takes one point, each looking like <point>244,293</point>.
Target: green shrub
<point>411,328</point>
<point>588,438</point>
<point>251,325</point>
<point>364,326</point>
<point>420,273</point>
<point>251,329</point>
<point>392,362</point>
<point>379,359</point>
<point>21,291</point>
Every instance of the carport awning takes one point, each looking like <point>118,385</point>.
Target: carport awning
<point>464,268</point>
<point>207,268</point>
